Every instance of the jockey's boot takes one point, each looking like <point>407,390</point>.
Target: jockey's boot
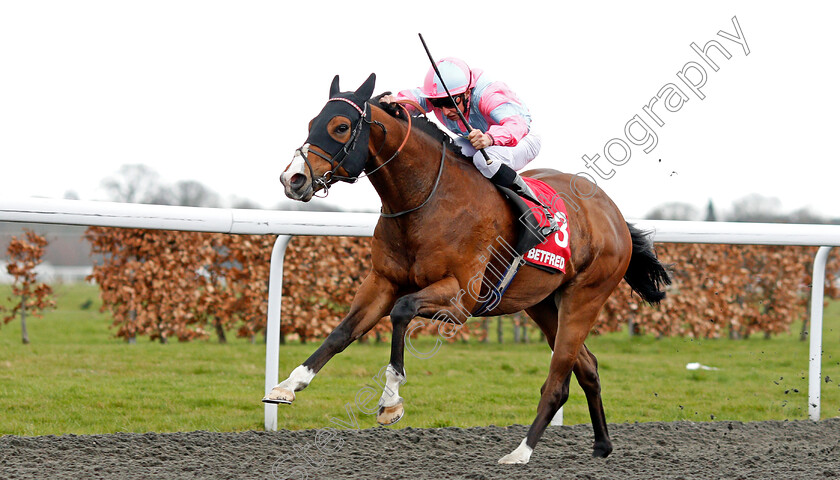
<point>508,178</point>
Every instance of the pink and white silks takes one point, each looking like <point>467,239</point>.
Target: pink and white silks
<point>494,109</point>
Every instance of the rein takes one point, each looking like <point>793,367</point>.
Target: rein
<point>431,194</point>
<point>417,106</point>
<point>405,140</point>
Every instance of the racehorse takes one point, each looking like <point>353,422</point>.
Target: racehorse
<point>440,218</point>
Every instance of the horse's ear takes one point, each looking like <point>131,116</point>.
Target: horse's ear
<point>334,87</point>
<point>366,90</point>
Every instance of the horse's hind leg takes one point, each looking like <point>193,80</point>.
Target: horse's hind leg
<point>579,308</point>
<point>545,314</point>
<point>586,371</point>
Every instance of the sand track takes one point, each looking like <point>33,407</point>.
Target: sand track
<point>687,450</point>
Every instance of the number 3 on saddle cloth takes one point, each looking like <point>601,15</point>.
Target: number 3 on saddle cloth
<point>550,255</point>
<point>554,252</point>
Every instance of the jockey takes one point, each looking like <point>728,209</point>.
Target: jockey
<point>501,122</point>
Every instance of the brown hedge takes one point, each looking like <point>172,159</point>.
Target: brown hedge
<point>183,285</point>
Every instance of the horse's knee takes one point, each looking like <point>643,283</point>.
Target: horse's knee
<point>555,392</point>
<point>593,358</point>
<point>563,394</point>
<point>589,379</point>
<point>339,339</point>
<point>586,372</point>
<point>404,310</point>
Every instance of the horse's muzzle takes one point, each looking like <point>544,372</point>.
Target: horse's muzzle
<point>296,181</point>
<point>297,186</point>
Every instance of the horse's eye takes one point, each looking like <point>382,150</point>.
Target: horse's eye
<point>342,128</point>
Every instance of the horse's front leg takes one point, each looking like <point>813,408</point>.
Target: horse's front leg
<point>371,303</point>
<point>440,300</point>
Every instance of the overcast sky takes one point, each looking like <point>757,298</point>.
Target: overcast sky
<point>221,92</point>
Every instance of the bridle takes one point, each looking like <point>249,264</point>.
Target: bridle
<point>337,160</point>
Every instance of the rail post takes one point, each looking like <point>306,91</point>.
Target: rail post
<point>272,325</point>
<point>815,355</point>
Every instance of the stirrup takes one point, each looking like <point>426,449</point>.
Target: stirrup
<point>523,190</point>
<point>552,222</point>
<point>549,229</point>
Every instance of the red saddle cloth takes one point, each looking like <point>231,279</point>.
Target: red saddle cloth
<point>554,252</point>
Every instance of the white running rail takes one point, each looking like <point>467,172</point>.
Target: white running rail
<point>288,223</point>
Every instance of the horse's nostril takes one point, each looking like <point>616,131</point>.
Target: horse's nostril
<point>297,181</point>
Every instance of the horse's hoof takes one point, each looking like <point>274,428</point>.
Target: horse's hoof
<point>519,456</point>
<point>513,458</point>
<point>390,415</point>
<point>601,450</point>
<point>279,395</point>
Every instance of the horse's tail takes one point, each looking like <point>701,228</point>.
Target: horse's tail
<point>645,275</point>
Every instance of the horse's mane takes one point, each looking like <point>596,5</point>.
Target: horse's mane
<point>422,124</point>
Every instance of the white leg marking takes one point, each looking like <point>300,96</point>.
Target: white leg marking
<point>391,393</point>
<point>521,455</point>
<point>284,392</point>
<point>298,379</point>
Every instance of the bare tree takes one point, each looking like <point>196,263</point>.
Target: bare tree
<point>674,211</point>
<point>189,193</point>
<point>135,183</point>
<point>805,215</point>
<point>757,208</point>
<point>244,203</point>
<point>308,206</point>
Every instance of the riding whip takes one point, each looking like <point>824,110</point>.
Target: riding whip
<point>458,110</point>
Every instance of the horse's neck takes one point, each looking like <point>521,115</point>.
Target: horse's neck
<point>408,179</point>
<point>462,201</point>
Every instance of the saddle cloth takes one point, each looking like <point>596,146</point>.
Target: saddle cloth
<point>553,253</point>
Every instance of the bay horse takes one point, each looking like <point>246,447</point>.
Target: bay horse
<point>440,218</point>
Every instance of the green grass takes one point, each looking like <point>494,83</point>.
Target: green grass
<point>75,377</point>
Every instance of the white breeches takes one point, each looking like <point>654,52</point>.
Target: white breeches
<point>515,157</point>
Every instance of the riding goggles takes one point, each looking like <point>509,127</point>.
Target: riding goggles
<point>446,101</point>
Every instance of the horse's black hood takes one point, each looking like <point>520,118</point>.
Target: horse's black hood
<point>352,105</point>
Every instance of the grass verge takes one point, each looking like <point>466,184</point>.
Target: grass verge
<point>76,378</point>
